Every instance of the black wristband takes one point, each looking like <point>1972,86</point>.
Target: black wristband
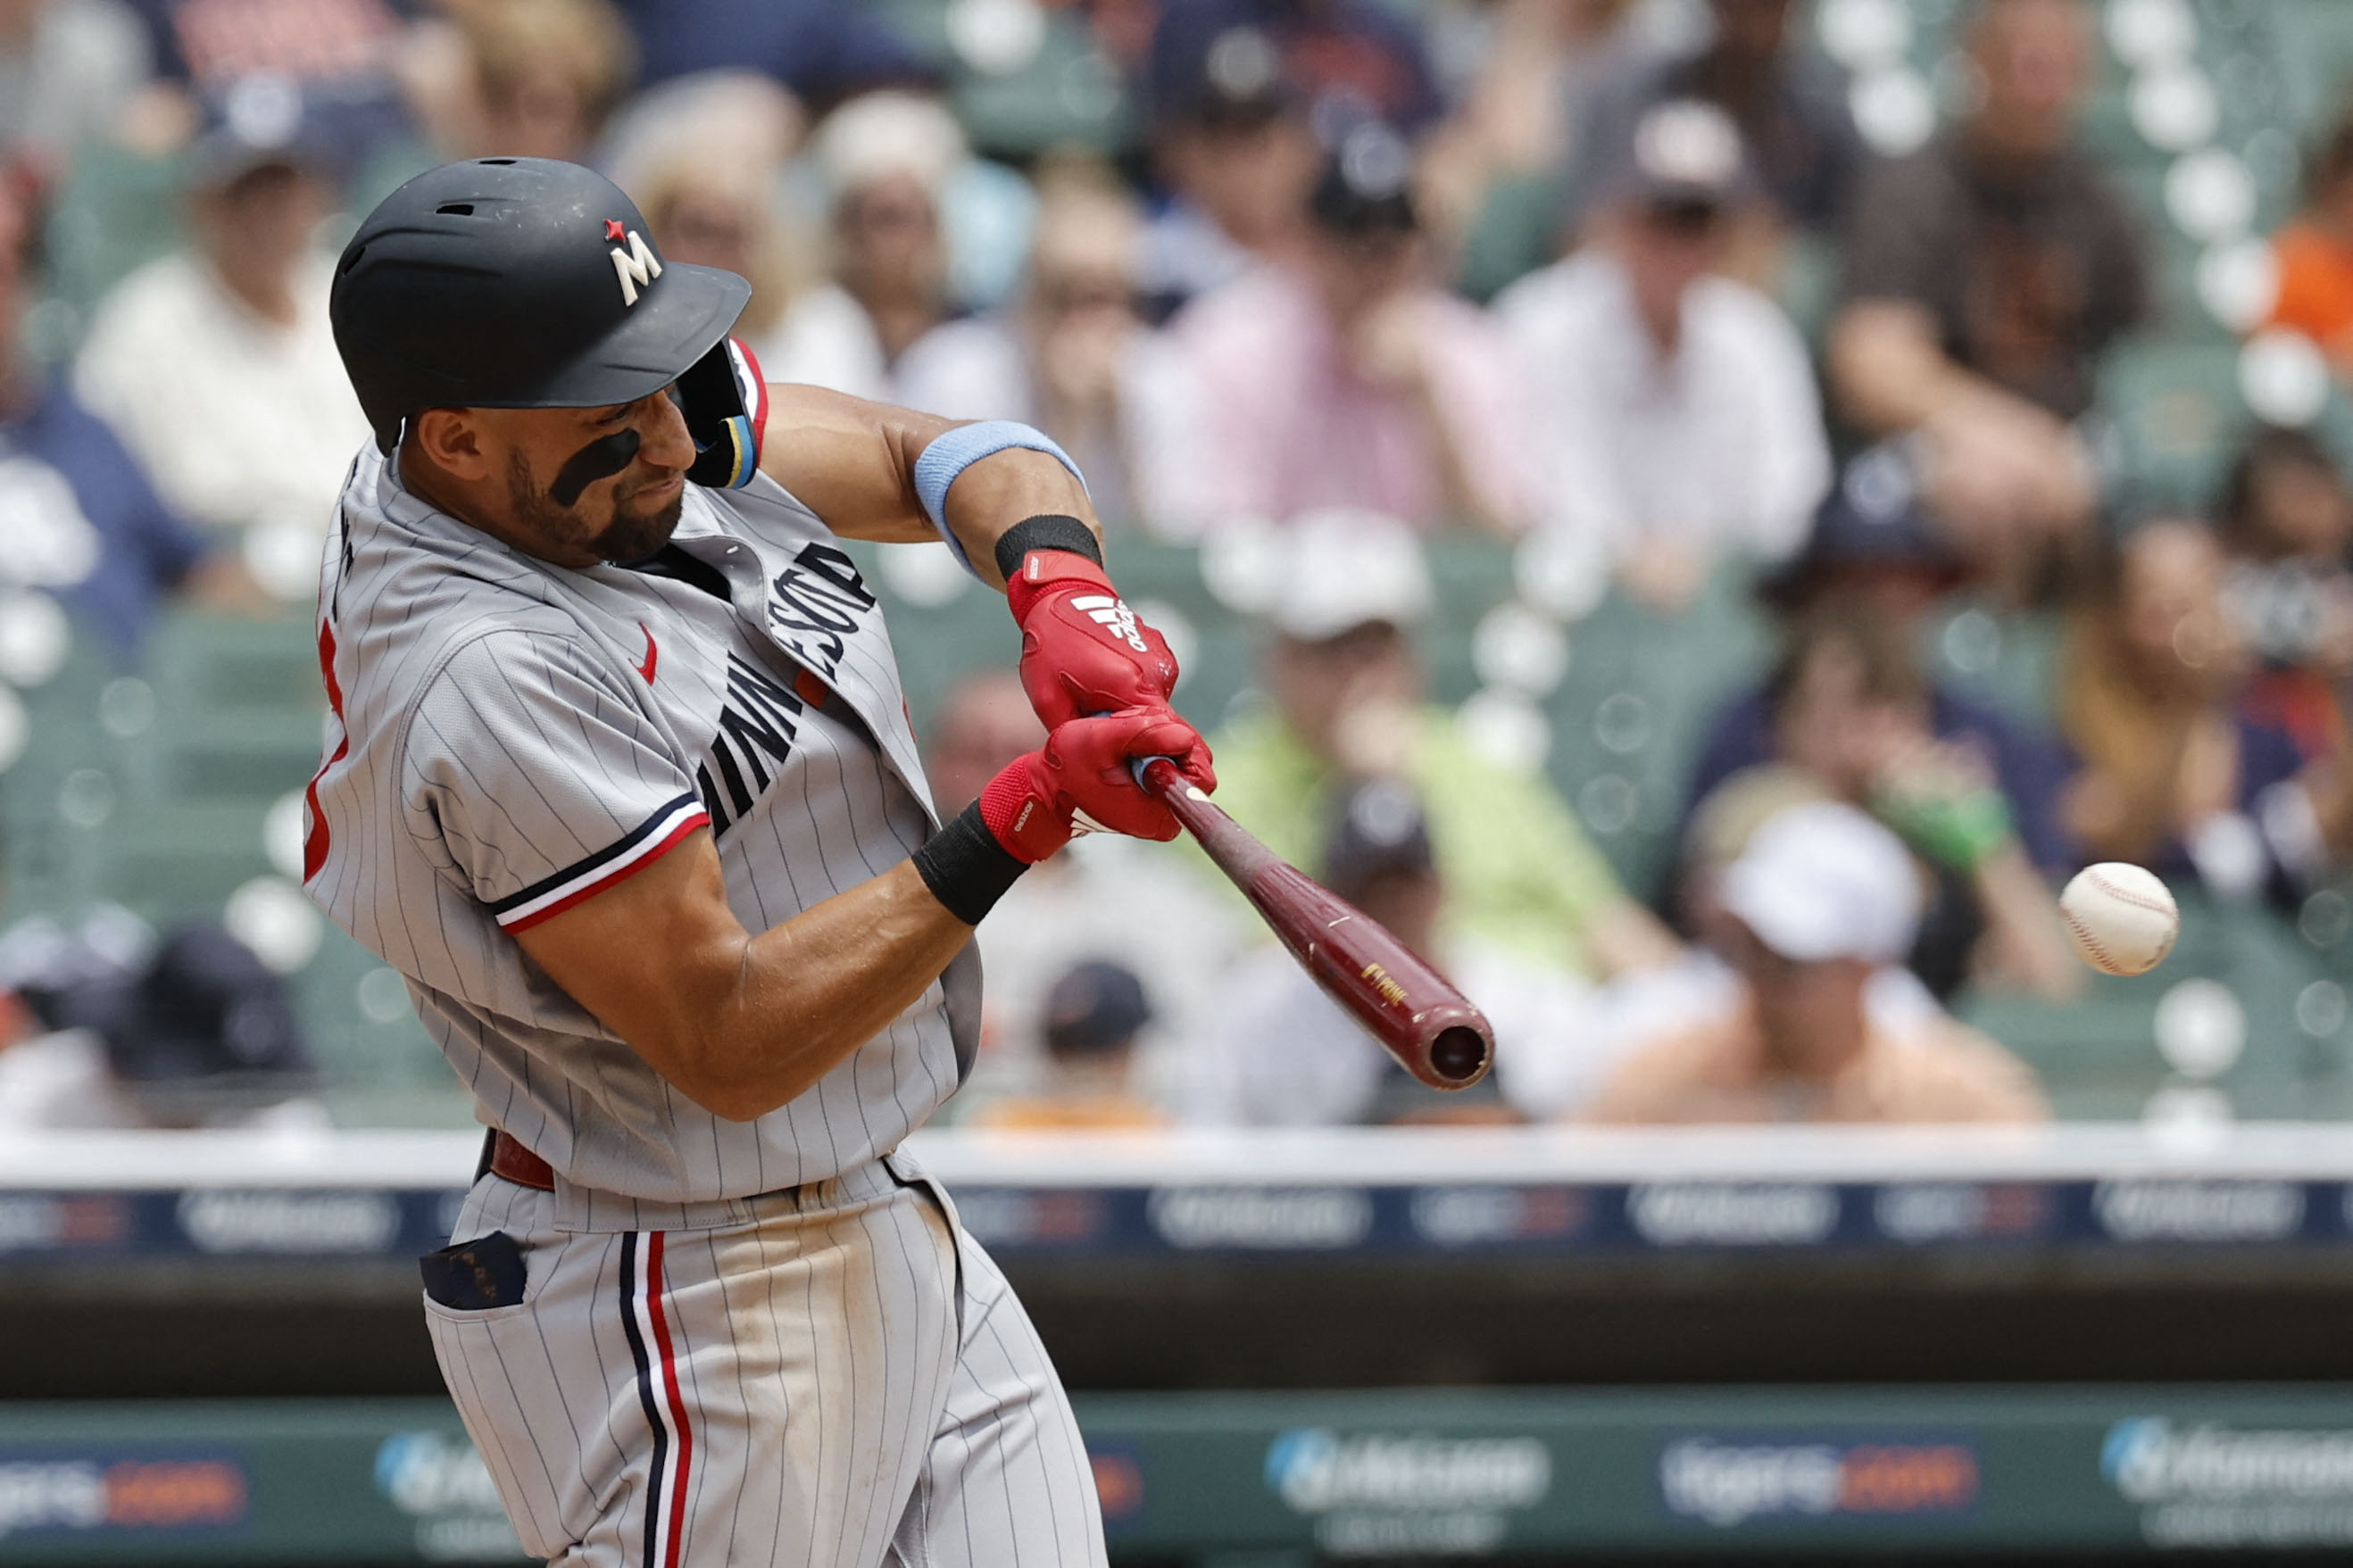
<point>1048,530</point>
<point>966,868</point>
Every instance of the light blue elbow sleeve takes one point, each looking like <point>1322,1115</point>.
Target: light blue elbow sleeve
<point>953,452</point>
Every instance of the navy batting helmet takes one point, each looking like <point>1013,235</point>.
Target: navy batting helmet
<point>517,283</point>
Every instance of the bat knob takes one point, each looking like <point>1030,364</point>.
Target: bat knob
<point>1141,766</point>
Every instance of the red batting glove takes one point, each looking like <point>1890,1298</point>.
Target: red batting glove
<point>1082,780</point>
<point>1082,650</point>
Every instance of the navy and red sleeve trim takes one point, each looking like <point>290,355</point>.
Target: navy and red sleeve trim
<point>583,880</point>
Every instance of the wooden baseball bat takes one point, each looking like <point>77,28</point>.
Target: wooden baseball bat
<point>1409,1007</point>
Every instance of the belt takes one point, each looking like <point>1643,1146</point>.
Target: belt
<point>510,1161</point>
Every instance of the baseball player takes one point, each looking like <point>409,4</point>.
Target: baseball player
<point>623,782</point>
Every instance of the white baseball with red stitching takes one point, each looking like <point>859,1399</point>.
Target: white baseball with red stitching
<point>2121,918</point>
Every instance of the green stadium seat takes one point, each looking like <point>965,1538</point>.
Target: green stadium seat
<point>2099,1055</point>
<point>2178,417</point>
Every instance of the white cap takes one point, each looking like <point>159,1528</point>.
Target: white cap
<point>1824,881</point>
<point>885,133</point>
<point>1343,568</point>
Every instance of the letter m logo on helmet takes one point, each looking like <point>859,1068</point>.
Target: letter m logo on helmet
<point>636,266</point>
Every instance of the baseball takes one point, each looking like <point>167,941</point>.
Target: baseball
<point>2122,920</point>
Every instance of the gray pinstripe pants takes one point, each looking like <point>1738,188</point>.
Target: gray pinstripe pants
<point>843,1381</point>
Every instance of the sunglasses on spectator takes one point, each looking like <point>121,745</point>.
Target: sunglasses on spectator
<point>1067,296</point>
<point>1687,217</point>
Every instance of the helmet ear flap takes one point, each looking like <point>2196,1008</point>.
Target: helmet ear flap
<point>725,402</point>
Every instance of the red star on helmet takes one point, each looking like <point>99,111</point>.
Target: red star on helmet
<point>614,231</point>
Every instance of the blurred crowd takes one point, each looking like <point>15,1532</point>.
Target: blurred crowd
<point>1359,273</point>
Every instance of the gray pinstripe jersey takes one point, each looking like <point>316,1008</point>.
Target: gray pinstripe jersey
<point>515,737</point>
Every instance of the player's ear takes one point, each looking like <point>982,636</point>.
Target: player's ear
<point>451,438</point>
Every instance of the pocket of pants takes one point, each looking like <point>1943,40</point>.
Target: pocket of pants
<point>488,1278</point>
<point>477,1276</point>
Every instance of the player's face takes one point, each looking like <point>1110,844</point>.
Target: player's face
<point>605,482</point>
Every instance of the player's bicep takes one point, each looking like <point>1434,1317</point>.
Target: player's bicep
<point>647,954</point>
<point>848,460</point>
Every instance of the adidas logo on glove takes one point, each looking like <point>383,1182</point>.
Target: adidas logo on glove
<point>1114,617</point>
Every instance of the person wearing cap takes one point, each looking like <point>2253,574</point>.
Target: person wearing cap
<point>1756,63</point>
<point>1873,546</point>
<point>620,778</point>
<point>1347,378</point>
<point>1821,898</point>
<point>1344,682</point>
<point>1094,1014</point>
<point>1356,56</point>
<point>1676,412</point>
<point>1850,711</point>
<point>1984,277</point>
<point>217,364</point>
<point>1232,143</point>
<point>192,1031</point>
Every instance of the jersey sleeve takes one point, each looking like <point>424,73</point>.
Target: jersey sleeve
<point>530,775</point>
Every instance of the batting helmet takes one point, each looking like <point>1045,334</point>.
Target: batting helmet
<point>517,283</point>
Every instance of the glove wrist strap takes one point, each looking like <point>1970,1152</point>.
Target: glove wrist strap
<point>1047,531</point>
<point>1040,553</point>
<point>966,868</point>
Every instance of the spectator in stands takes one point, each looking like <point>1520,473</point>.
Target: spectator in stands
<point>1347,704</point>
<point>81,519</point>
<point>1850,707</point>
<point>1873,547</point>
<point>1789,101</point>
<point>216,365</point>
<point>194,1032</point>
<point>2177,775</point>
<point>1527,74</point>
<point>533,78</point>
<point>1071,354</point>
<point>2314,253</point>
<point>1275,1052</point>
<point>68,71</point>
<point>703,157</point>
<point>1675,410</point>
<point>1349,56</point>
<point>1350,379</point>
<point>2287,526</point>
<point>1232,143</point>
<point>1093,1014</point>
<point>1105,898</point>
<point>885,162</point>
<point>1984,274</point>
<point>344,58</point>
<point>825,50</point>
<point>1821,898</point>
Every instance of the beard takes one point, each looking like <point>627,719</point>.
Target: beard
<point>624,535</point>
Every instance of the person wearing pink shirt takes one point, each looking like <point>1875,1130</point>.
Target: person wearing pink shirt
<point>1346,378</point>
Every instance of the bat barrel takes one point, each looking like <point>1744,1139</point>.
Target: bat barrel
<point>1411,1010</point>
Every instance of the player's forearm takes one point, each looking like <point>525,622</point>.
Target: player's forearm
<point>998,491</point>
<point>854,463</point>
<point>807,993</point>
<point>737,1021</point>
